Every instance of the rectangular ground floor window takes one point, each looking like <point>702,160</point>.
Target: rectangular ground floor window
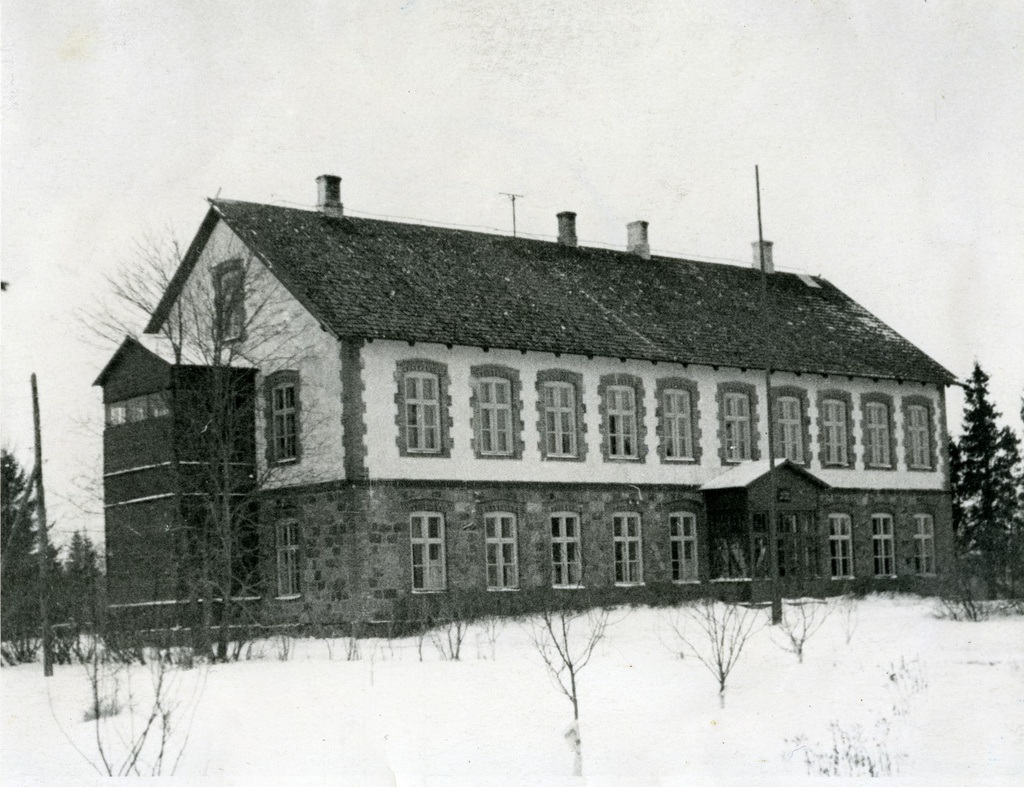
<point>798,545</point>
<point>924,544</point>
<point>502,555</point>
<point>683,546</point>
<point>883,545</point>
<point>566,565</point>
<point>427,536</point>
<point>840,545</point>
<point>288,574</point>
<point>628,559</point>
<point>731,545</point>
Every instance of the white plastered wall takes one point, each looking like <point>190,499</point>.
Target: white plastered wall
<point>385,462</point>
<point>282,335</point>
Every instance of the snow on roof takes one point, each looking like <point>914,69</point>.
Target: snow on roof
<point>746,473</point>
<point>377,279</point>
<point>743,474</point>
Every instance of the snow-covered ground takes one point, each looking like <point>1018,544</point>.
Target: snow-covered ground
<point>943,700</point>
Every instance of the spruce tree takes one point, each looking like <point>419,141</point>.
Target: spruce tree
<point>19,568</point>
<point>80,581</point>
<point>984,476</point>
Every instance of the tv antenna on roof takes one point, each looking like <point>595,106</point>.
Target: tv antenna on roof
<point>512,197</point>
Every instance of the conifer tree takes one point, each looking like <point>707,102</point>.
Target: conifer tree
<point>19,572</point>
<point>80,580</point>
<point>984,475</point>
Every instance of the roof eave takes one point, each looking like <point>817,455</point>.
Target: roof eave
<point>188,263</point>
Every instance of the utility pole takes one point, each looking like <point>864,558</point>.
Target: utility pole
<point>766,314</point>
<point>44,541</point>
<point>512,197</point>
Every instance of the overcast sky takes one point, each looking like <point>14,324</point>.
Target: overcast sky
<point>889,137</point>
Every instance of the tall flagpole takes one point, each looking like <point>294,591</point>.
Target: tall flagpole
<point>766,315</point>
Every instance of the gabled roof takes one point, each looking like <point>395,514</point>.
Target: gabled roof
<point>387,280</point>
<point>160,348</point>
<point>746,473</point>
<point>129,344</point>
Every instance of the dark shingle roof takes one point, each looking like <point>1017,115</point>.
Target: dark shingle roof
<point>387,280</point>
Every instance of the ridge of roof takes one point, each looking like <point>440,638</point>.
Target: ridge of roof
<point>747,472</point>
<point>380,279</point>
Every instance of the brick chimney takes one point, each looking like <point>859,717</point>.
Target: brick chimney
<point>567,229</point>
<point>636,239</point>
<point>328,192</point>
<point>769,266</point>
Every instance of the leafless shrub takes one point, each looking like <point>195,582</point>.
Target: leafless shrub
<point>845,607</point>
<point>800,621</point>
<point>128,744</point>
<point>961,608</point>
<point>906,681</point>
<point>352,650</point>
<point>962,597</point>
<point>853,753</point>
<point>254,650</point>
<point>716,633</point>
<point>491,628</point>
<point>421,637</point>
<point>106,706</point>
<point>22,649</point>
<point>447,638</point>
<point>1011,607</point>
<point>285,645</point>
<point>566,638</point>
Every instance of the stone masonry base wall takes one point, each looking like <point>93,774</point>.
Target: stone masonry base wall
<point>355,545</point>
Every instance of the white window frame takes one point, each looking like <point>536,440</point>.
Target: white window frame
<point>840,546</point>
<point>919,437</point>
<point>789,437</point>
<point>493,416</point>
<point>883,543</point>
<point>422,436</point>
<point>924,544</point>
<point>627,536</point>
<point>677,412</point>
<point>117,413</point>
<point>284,424</point>
<point>559,419</point>
<point>566,550</point>
<point>289,572</point>
<point>620,408</point>
<point>427,552</point>
<point>159,404</point>
<point>834,437</point>
<point>137,409</point>
<point>737,426</point>
<point>502,550</point>
<point>876,430</point>
<point>682,528</point>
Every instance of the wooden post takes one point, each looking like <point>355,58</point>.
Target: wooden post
<point>766,312</point>
<point>44,541</point>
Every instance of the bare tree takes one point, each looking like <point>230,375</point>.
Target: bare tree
<point>491,627</point>
<point>716,633</point>
<point>566,638</point>
<point>800,621</point>
<point>846,606</point>
<point>227,325</point>
<point>139,733</point>
<point>451,625</point>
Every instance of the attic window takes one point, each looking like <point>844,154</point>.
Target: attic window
<point>229,301</point>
